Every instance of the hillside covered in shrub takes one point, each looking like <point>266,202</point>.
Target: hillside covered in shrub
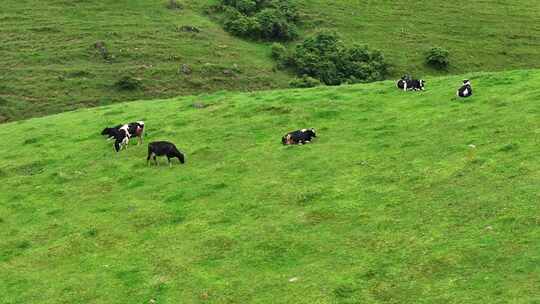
<point>62,55</point>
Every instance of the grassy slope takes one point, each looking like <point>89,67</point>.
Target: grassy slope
<point>480,35</point>
<point>389,205</point>
<point>48,64</point>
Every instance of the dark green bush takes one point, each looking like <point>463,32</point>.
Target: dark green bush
<point>304,82</point>
<point>274,26</point>
<point>324,57</point>
<point>246,7</point>
<point>438,57</point>
<point>260,19</point>
<point>281,55</point>
<point>360,64</point>
<point>278,51</point>
<point>243,26</point>
<point>316,55</point>
<point>287,9</point>
<point>128,83</point>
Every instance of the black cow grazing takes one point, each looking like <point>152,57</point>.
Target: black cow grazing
<point>298,137</point>
<point>408,84</point>
<point>164,148</point>
<point>465,90</point>
<point>133,129</point>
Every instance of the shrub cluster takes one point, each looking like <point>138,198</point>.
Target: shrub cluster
<point>273,20</point>
<point>304,82</point>
<point>128,83</point>
<point>437,57</point>
<point>325,58</point>
<point>278,52</point>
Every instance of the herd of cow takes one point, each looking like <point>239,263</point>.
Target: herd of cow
<point>121,134</point>
<point>406,83</point>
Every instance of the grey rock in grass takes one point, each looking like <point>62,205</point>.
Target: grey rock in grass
<point>199,105</point>
<point>185,69</point>
<point>102,49</point>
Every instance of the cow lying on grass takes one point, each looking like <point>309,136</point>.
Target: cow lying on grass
<point>465,90</point>
<point>164,148</point>
<point>123,133</point>
<point>408,84</point>
<point>298,137</point>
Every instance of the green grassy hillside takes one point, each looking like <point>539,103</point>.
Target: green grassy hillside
<point>480,35</point>
<point>403,198</point>
<point>48,63</point>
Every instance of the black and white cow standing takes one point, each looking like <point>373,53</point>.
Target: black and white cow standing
<point>465,90</point>
<point>123,133</point>
<point>299,137</point>
<point>120,134</point>
<point>121,138</point>
<point>164,148</point>
<point>408,84</point>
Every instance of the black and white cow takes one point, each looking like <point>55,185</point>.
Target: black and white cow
<point>164,148</point>
<point>123,133</point>
<point>408,84</point>
<point>121,137</point>
<point>402,83</point>
<point>465,90</point>
<point>120,134</point>
<point>298,137</point>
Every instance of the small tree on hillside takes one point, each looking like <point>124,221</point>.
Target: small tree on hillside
<point>273,20</point>
<point>438,58</point>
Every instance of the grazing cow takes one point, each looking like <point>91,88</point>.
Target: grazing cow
<point>133,129</point>
<point>408,84</point>
<point>120,135</point>
<point>298,137</point>
<point>465,90</point>
<point>161,148</point>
